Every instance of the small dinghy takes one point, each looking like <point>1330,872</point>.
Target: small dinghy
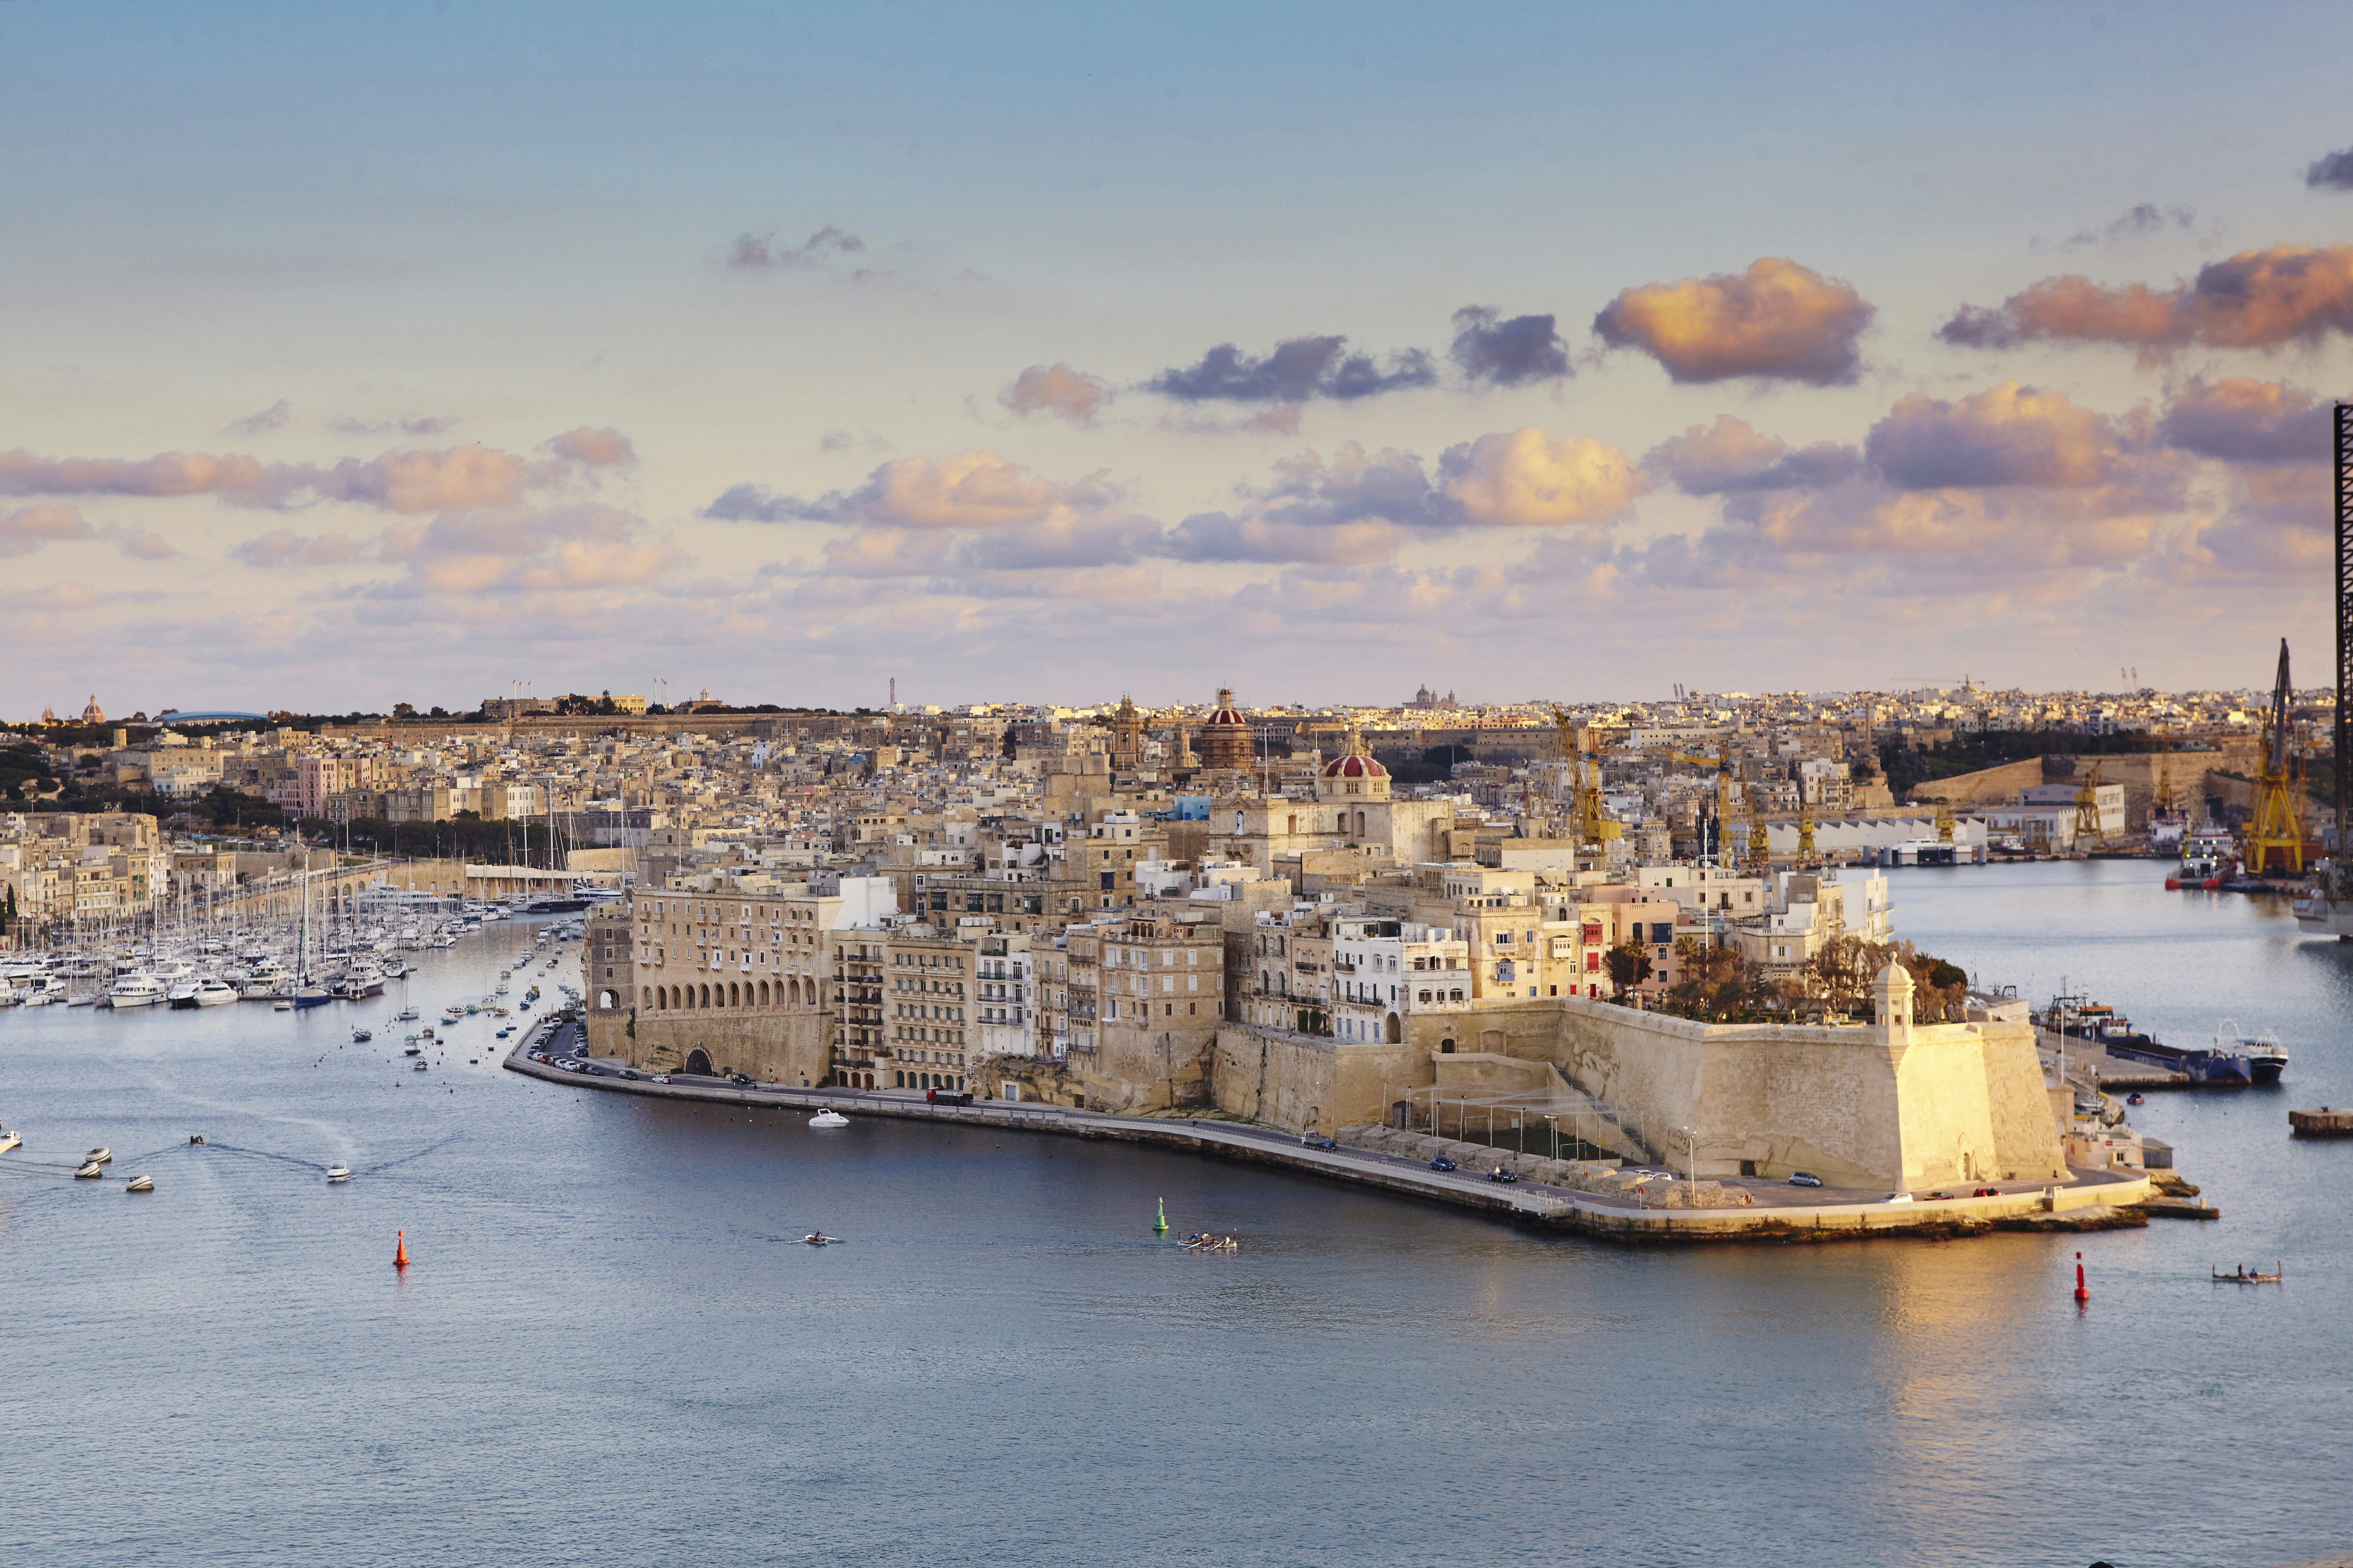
<point>89,1173</point>
<point>139,1185</point>
<point>101,1156</point>
<point>1204,1242</point>
<point>419,1066</point>
<point>339,1173</point>
<point>361,1037</point>
<point>413,1051</point>
<point>196,1138</point>
<point>828,1118</point>
<point>2244,1276</point>
<point>819,1238</point>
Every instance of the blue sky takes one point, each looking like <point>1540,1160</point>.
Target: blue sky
<point>435,232</point>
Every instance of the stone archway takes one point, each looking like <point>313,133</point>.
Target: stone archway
<point>607,1001</point>
<point>698,1061</point>
<point>1395,1030</point>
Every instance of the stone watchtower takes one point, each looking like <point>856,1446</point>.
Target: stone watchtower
<point>1891,999</point>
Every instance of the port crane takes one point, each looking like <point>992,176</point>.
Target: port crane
<point>1592,829</point>
<point>2277,827</point>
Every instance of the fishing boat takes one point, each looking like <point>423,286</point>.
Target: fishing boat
<point>2209,859</point>
<point>828,1118</point>
<point>2267,1058</point>
<point>139,1185</point>
<point>2243,1276</point>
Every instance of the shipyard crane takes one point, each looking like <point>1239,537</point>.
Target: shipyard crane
<point>2087,808</point>
<point>1722,762</point>
<point>2277,827</point>
<point>1805,832</point>
<point>1593,829</point>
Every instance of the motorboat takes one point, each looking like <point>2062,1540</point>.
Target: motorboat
<point>413,1051</point>
<point>282,1005</point>
<point>362,1037</point>
<point>339,1173</point>
<point>182,994</point>
<point>215,993</point>
<point>9,1140</point>
<point>139,1185</point>
<point>828,1118</point>
<point>421,1067</point>
<point>135,990</point>
<point>89,1172</point>
<point>101,1156</point>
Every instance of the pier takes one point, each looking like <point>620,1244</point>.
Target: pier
<point>2323,1122</point>
<point>2091,1200</point>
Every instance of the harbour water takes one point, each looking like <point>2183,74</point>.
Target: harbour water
<point>612,1348</point>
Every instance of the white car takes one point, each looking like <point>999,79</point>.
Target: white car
<point>661,1078</point>
<point>1896,1198</point>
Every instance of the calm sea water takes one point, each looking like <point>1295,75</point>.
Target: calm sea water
<point>612,1349</point>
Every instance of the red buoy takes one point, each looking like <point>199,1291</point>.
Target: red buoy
<point>400,1252</point>
<point>2082,1295</point>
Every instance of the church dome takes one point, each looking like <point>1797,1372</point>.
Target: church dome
<point>1227,713</point>
<point>1354,767</point>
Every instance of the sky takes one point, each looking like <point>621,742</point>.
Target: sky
<point>402,352</point>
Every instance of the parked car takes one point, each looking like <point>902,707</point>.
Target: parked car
<point>661,1078</point>
<point>739,1078</point>
<point>1440,1162</point>
<point>948,1096</point>
<point>631,1073</point>
<point>1896,1198</point>
<point>1804,1179</point>
<point>1317,1140</point>
<point>1501,1175</point>
<point>1986,1193</point>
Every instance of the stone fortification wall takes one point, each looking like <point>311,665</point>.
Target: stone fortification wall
<point>786,1048</point>
<point>1305,1082</point>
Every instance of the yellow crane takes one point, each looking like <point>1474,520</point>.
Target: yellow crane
<point>1722,762</point>
<point>2087,808</point>
<point>1805,832</point>
<point>1591,828</point>
<point>2276,830</point>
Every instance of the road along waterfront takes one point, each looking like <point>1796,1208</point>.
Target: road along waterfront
<point>612,1347</point>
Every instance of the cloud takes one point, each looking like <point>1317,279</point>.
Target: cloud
<point>407,424</point>
<point>595,448</point>
<point>284,547</point>
<point>28,529</point>
<point>1522,481</point>
<point>1058,391</point>
<point>140,543</point>
<point>1221,536</point>
<point>1507,352</point>
<point>1729,455</point>
<point>1298,370</point>
<point>2255,299</point>
<point>1778,321</point>
<point>417,480</point>
<point>2243,421</point>
<point>1283,419</point>
<point>761,250</point>
<point>527,550</point>
<point>2331,172</point>
<point>2006,435</point>
<point>270,418</point>
<point>843,440</point>
<point>2138,221</point>
<point>968,489</point>
<point>886,552</point>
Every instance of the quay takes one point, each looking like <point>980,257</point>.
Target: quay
<point>2321,1123</point>
<point>2089,1200</point>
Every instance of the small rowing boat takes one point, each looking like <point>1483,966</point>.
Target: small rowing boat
<point>2243,1276</point>
<point>819,1238</point>
<point>1205,1242</point>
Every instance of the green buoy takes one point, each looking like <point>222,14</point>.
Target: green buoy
<point>1160,1226</point>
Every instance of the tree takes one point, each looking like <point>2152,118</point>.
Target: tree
<point>1839,973</point>
<point>1715,986</point>
<point>1006,744</point>
<point>1629,965</point>
<point>404,710</point>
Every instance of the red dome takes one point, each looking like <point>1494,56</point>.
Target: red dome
<point>1227,716</point>
<point>1353,768</point>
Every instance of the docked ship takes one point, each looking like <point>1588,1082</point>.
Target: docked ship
<point>2097,1023</point>
<point>2267,1058</point>
<point>2209,857</point>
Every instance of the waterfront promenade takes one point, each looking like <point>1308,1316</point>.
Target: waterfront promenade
<point>2092,1200</point>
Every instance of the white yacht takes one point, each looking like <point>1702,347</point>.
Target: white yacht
<point>215,993</point>
<point>828,1118</point>
<point>135,990</point>
<point>182,993</point>
<point>9,1140</point>
<point>339,1173</point>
